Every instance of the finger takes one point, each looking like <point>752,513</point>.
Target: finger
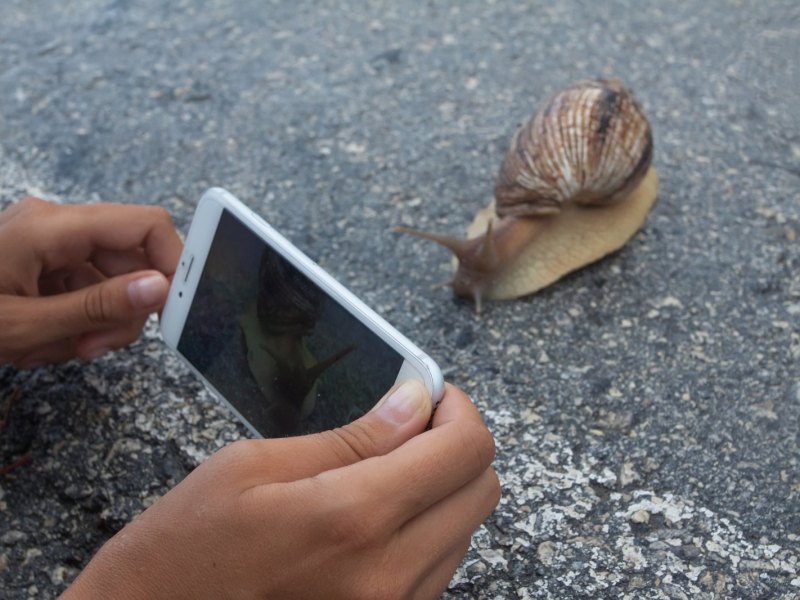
<point>71,234</point>
<point>118,262</point>
<point>401,414</point>
<point>81,277</point>
<point>56,352</point>
<point>52,283</point>
<point>87,347</point>
<point>66,280</point>
<point>438,577</point>
<point>444,532</point>
<point>443,528</point>
<point>28,323</point>
<point>401,484</point>
<point>96,344</point>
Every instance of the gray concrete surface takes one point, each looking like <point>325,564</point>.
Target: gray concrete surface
<point>646,409</point>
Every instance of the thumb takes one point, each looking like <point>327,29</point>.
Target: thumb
<point>112,302</point>
<point>400,415</point>
<point>116,300</point>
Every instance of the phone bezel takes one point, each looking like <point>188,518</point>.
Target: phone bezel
<point>416,364</point>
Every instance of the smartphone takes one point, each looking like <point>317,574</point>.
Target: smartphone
<point>286,346</point>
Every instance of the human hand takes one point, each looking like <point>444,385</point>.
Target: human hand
<point>80,280</point>
<point>376,509</point>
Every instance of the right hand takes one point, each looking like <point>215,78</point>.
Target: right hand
<point>376,509</point>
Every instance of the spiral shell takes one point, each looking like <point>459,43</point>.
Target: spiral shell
<point>288,303</point>
<point>589,144</point>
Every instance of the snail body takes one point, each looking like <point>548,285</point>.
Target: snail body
<point>575,185</point>
<point>285,370</point>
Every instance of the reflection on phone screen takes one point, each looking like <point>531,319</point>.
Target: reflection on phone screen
<point>288,357</point>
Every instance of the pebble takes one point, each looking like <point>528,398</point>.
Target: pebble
<point>30,554</point>
<point>628,475</point>
<point>545,553</point>
<point>640,516</point>
<point>477,568</point>
<point>59,575</point>
<point>13,536</point>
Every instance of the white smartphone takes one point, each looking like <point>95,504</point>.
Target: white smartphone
<point>271,333</point>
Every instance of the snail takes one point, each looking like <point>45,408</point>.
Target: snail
<point>575,185</point>
<point>276,328</point>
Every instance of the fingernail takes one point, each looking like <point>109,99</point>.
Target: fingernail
<point>147,292</point>
<point>97,353</point>
<point>403,404</point>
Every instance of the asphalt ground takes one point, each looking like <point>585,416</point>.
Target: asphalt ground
<point>645,408</point>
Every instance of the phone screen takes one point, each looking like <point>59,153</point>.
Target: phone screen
<point>288,357</point>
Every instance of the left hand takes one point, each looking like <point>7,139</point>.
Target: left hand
<point>80,280</point>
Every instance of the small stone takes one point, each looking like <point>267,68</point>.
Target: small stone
<point>670,301</point>
<point>707,580</point>
<point>690,551</point>
<point>74,492</point>
<point>12,537</point>
<point>636,582</point>
<point>3,562</point>
<point>545,553</point>
<point>494,557</point>
<point>659,546</point>
<point>722,583</point>
<point>640,516</point>
<point>59,575</point>
<point>477,568</point>
<point>628,475</point>
<point>30,554</point>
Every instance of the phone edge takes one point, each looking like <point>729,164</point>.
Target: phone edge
<point>222,198</point>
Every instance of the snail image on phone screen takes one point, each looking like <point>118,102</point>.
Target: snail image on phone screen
<point>276,330</point>
<point>575,185</point>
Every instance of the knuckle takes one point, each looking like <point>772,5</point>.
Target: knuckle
<point>351,528</point>
<point>96,305</point>
<point>18,214</point>
<point>353,442</point>
<point>237,452</point>
<point>238,457</point>
<point>14,330</point>
<point>479,443</point>
<point>32,202</point>
<point>495,489</point>
<point>159,214</point>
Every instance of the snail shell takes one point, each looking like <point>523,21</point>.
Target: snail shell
<point>275,329</point>
<point>288,303</point>
<point>590,144</point>
<point>575,185</point>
